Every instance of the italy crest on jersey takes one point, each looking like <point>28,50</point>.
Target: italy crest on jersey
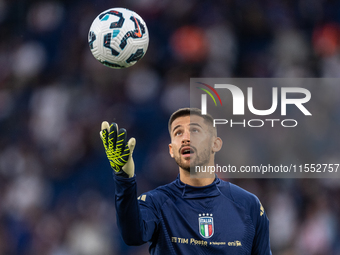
<point>206,225</point>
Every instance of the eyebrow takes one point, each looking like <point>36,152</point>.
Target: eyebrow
<point>191,124</point>
<point>176,127</point>
<point>195,124</point>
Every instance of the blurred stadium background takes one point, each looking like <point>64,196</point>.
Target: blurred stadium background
<point>56,188</point>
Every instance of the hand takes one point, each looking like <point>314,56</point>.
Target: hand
<point>117,151</point>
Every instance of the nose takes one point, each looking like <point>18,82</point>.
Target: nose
<point>186,137</point>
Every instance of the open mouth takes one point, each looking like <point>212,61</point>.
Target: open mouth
<point>187,151</point>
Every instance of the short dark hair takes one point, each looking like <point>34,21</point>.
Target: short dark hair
<point>191,111</point>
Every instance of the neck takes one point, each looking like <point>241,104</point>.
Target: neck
<point>185,177</point>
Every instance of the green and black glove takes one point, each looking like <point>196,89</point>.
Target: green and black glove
<point>117,150</point>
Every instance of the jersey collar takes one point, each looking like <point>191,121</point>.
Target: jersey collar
<point>189,191</point>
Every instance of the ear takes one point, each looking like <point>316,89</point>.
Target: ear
<point>170,150</point>
<point>217,144</point>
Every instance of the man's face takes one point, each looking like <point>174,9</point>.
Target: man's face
<point>191,142</point>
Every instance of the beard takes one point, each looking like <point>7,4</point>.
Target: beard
<point>200,159</point>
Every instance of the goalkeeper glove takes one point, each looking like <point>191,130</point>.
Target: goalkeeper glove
<point>117,150</point>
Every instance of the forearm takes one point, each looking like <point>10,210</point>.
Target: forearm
<point>119,153</point>
<point>128,216</point>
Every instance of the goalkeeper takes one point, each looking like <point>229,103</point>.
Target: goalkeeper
<point>190,215</point>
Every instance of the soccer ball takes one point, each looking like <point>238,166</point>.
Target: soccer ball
<point>118,38</point>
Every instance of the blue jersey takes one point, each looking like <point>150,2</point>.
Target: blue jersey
<point>177,218</point>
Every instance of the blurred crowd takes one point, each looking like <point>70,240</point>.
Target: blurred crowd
<point>56,187</point>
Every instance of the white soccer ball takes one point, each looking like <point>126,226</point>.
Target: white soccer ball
<point>118,38</point>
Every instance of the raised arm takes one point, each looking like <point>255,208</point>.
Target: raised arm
<point>136,222</point>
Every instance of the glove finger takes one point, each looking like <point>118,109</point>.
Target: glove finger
<point>104,133</point>
<point>123,148</point>
<point>113,136</point>
<point>132,144</point>
<point>105,125</point>
<point>122,137</point>
<point>104,136</point>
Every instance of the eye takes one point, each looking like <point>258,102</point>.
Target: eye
<point>179,132</point>
<point>194,130</point>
